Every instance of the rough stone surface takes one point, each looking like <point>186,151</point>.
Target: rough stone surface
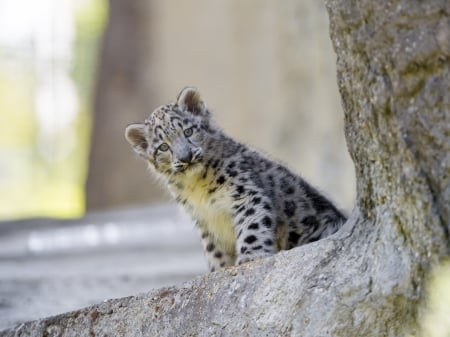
<point>393,73</point>
<point>264,298</point>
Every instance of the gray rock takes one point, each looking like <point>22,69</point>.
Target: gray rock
<point>258,299</point>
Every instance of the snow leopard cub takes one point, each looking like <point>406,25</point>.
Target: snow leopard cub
<point>246,205</point>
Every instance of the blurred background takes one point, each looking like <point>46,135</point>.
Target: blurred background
<point>82,219</point>
<point>74,73</point>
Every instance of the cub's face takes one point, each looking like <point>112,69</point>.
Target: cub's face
<point>172,138</point>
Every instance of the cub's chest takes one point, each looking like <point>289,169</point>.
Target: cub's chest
<point>210,206</point>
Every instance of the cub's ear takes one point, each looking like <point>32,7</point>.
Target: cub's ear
<point>136,135</point>
<point>191,100</point>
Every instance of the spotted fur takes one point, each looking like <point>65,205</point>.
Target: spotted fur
<point>245,205</point>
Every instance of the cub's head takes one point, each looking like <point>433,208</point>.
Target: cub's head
<point>172,139</point>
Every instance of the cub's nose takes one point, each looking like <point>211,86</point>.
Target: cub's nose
<point>185,157</point>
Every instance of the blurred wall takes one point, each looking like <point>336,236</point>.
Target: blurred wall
<point>266,69</point>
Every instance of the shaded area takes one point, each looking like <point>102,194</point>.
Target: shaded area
<point>124,94</point>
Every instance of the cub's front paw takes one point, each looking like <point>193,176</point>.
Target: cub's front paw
<point>247,258</point>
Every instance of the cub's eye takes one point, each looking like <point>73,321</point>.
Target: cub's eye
<point>163,147</point>
<point>188,132</point>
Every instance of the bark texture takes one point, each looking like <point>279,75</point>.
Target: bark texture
<point>368,280</point>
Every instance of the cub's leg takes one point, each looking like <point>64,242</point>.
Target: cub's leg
<point>216,255</point>
<point>255,229</point>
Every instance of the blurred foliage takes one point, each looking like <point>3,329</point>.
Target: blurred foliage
<point>90,23</point>
<point>16,110</point>
<point>31,182</point>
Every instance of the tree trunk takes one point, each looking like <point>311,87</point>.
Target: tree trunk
<point>368,280</point>
<point>123,95</point>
